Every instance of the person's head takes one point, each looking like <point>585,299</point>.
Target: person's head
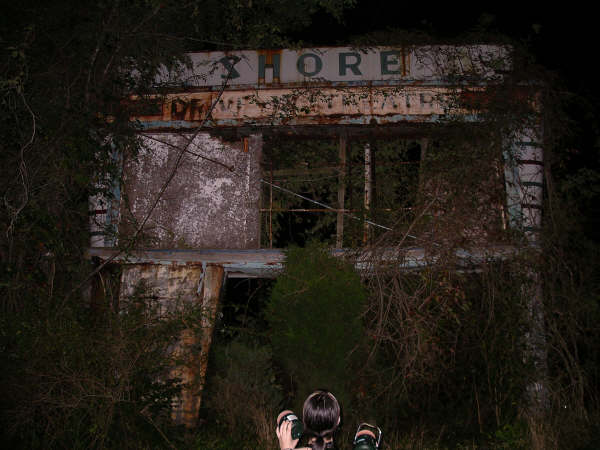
<point>321,417</point>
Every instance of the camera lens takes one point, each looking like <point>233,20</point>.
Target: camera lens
<point>297,426</point>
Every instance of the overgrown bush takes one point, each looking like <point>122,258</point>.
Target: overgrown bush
<point>88,378</point>
<point>244,393</point>
<point>315,314</point>
<point>447,349</point>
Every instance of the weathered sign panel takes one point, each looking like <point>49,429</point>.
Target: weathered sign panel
<point>300,106</point>
<point>338,66</point>
<point>334,85</point>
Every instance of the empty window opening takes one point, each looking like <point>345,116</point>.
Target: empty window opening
<point>342,192</point>
<point>242,307</point>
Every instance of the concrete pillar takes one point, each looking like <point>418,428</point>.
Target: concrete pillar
<point>175,286</point>
<point>193,349</point>
<point>342,150</point>
<point>524,174</point>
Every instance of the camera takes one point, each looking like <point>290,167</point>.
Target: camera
<point>367,437</point>
<point>297,425</point>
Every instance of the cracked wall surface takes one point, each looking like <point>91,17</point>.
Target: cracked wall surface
<point>210,202</point>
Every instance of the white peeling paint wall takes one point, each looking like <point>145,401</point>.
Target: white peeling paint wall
<point>211,201</point>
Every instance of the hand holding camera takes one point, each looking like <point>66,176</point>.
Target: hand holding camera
<point>296,424</point>
<point>289,430</point>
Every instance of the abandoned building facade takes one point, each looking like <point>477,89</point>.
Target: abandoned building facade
<point>248,152</point>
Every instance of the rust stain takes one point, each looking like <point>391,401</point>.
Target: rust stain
<point>187,108</point>
<point>166,111</point>
<point>404,61</point>
<point>272,60</point>
<point>327,106</point>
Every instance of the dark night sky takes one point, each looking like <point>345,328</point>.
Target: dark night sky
<point>561,38</point>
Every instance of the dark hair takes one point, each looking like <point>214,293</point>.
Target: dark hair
<point>321,417</point>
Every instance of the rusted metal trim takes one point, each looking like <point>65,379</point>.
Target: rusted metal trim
<point>170,125</point>
<point>342,153</point>
<point>530,161</point>
<point>404,82</point>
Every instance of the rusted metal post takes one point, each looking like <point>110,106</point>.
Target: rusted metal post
<point>368,190</point>
<point>271,207</point>
<point>193,350</point>
<point>424,144</point>
<point>535,344</point>
<point>339,241</point>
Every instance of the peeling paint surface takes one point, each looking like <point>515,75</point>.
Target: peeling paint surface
<point>164,283</point>
<point>304,106</point>
<point>216,182</point>
<point>268,263</point>
<point>525,181</point>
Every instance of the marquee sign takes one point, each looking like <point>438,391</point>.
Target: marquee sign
<point>337,66</point>
<point>327,85</point>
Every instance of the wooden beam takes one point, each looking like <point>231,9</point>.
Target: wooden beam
<point>268,263</point>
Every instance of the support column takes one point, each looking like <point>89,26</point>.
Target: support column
<point>339,241</point>
<point>524,175</point>
<point>535,344</point>
<point>368,191</point>
<point>104,211</point>
<point>194,347</point>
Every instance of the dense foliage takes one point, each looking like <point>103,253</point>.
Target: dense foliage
<point>314,315</point>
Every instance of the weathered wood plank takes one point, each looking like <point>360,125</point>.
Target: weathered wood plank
<point>268,263</point>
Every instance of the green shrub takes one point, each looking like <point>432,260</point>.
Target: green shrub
<point>243,392</point>
<point>89,378</point>
<point>316,325</point>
